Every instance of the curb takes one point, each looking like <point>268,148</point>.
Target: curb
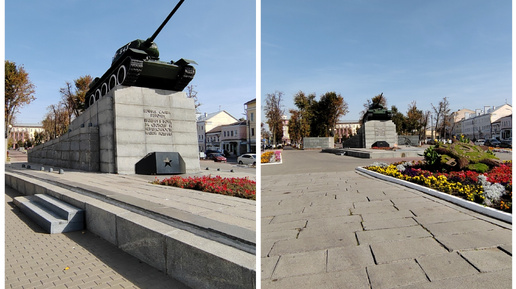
<point>499,215</point>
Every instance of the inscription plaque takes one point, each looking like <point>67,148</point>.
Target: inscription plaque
<point>157,122</point>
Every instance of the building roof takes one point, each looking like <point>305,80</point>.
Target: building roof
<point>207,116</point>
<point>215,129</point>
<point>254,100</point>
<point>39,125</point>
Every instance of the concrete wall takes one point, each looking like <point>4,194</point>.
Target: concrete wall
<point>130,123</point>
<point>78,149</point>
<point>318,142</point>
<point>412,140</point>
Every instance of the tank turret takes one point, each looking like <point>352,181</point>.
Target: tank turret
<point>137,64</point>
<point>377,112</point>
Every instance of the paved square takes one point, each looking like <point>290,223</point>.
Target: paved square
<point>360,232</point>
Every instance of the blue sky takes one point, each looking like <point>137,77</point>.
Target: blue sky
<point>411,50</point>
<point>60,40</point>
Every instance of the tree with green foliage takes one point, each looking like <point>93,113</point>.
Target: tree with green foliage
<point>306,107</point>
<point>274,113</point>
<point>330,108</point>
<point>413,120</point>
<point>399,120</point>
<point>294,126</point>
<point>19,91</point>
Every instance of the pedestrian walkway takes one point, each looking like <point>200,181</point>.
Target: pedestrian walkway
<point>345,230</point>
<point>35,259</point>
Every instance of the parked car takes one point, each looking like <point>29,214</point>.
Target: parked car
<point>480,142</point>
<point>506,143</point>
<point>210,152</point>
<point>492,143</point>
<point>218,157</point>
<point>247,159</point>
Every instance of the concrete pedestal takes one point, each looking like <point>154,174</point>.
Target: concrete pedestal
<point>132,122</point>
<point>379,130</point>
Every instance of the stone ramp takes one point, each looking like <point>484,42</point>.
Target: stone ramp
<point>214,248</point>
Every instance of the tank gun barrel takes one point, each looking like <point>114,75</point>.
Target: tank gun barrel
<point>151,39</point>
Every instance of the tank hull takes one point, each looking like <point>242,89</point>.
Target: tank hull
<point>137,70</point>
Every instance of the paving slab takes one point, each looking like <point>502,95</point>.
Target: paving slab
<point>346,258</point>
<point>349,279</point>
<point>488,260</point>
<point>389,224</point>
<point>396,274</point>
<point>312,262</point>
<point>449,265</point>
<point>392,234</point>
<point>460,227</point>
<point>492,280</point>
<point>374,216</point>
<point>387,252</point>
<point>442,218</point>
<point>476,240</point>
<point>312,243</point>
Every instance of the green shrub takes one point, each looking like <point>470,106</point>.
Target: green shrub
<point>478,167</point>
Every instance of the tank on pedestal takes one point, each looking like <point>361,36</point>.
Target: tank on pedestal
<point>137,64</point>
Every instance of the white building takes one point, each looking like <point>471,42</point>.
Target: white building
<point>479,125</point>
<point>25,131</point>
<point>506,127</point>
<point>206,122</point>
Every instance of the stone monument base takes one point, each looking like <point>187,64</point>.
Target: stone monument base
<point>122,128</point>
<point>379,130</point>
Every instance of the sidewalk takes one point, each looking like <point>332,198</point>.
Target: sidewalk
<point>339,229</point>
<point>35,259</point>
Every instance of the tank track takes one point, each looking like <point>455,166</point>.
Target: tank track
<point>126,73</point>
<point>187,74</point>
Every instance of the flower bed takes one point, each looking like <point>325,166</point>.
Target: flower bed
<point>492,188</point>
<point>271,157</point>
<point>236,187</point>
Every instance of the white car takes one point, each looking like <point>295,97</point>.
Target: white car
<point>247,159</point>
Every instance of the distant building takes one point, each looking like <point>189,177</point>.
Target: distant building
<point>250,112</point>
<point>346,129</point>
<point>457,117</point>
<point>213,139</point>
<point>25,131</point>
<point>506,127</point>
<point>233,138</point>
<point>207,122</point>
<point>285,140</point>
<point>479,125</point>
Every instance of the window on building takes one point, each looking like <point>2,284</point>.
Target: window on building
<point>252,116</point>
<point>252,131</point>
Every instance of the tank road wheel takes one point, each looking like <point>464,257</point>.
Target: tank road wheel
<point>104,89</point>
<point>121,74</point>
<point>97,94</point>
<point>91,100</point>
<point>112,82</point>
